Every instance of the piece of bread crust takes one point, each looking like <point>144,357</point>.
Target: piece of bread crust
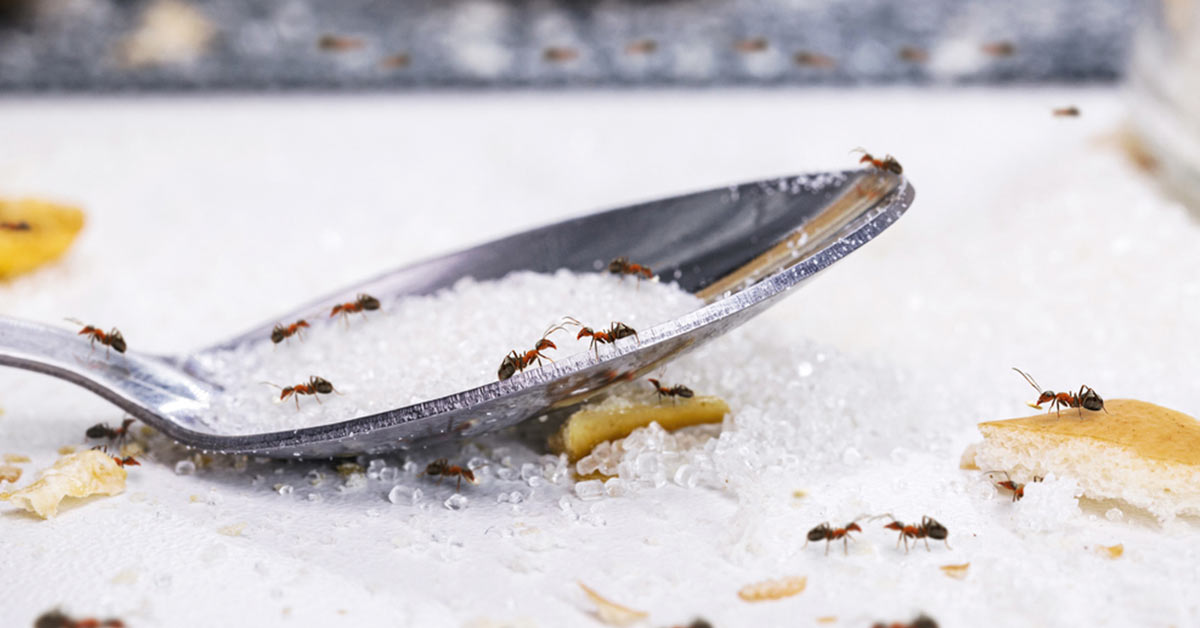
<point>1140,453</point>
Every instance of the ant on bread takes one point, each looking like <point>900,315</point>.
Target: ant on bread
<point>678,390</point>
<point>1085,399</point>
<point>829,533</point>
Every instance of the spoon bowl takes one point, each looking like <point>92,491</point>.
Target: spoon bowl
<point>739,248</point>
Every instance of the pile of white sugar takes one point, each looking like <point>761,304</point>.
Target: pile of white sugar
<point>418,348</point>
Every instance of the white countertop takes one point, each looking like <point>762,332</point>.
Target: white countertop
<point>1032,242</point>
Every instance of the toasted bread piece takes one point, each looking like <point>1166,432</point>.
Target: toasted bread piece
<point>1138,452</point>
<point>593,425</point>
<point>34,233</point>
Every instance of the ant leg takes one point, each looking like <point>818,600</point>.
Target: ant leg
<point>926,544</point>
<point>296,398</point>
<point>900,538</point>
<point>826,547</point>
<point>846,545</point>
<point>458,487</point>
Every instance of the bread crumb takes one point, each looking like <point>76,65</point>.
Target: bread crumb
<point>773,589</point>
<point>86,473</point>
<point>828,619</point>
<point>170,33</point>
<point>958,572</point>
<point>233,529</point>
<point>595,424</point>
<point>799,494</point>
<point>66,449</point>
<point>610,612</point>
<point>15,458</point>
<point>967,461</point>
<point>1111,551</point>
<point>195,499</point>
<point>52,229</point>
<point>9,473</point>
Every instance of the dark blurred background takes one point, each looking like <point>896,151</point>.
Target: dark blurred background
<point>180,45</point>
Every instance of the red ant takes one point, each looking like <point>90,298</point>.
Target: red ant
<point>828,533</point>
<point>56,619</point>
<point>112,339</point>
<point>514,362</point>
<point>615,332</point>
<point>127,461</point>
<point>361,303</point>
<point>755,44</point>
<point>1086,398</point>
<point>678,390</point>
<point>1017,488</point>
<point>20,225</point>
<point>102,430</point>
<point>999,48</point>
<point>280,332</point>
<point>913,54</point>
<point>314,386</point>
<point>1067,112</point>
<point>929,528</point>
<point>813,60</point>
<point>622,266</point>
<point>443,469</point>
<point>560,54</point>
<point>922,621</point>
<point>887,163</point>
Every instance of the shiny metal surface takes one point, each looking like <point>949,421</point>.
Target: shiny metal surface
<point>740,248</point>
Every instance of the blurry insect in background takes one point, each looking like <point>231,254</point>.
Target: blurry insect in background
<point>828,533</point>
<point>115,435</point>
<point>559,54</point>
<point>515,362</point>
<point>888,162</point>
<point>396,62</point>
<point>127,461</point>
<point>753,44</point>
<point>56,619</point>
<point>929,528</point>
<point>913,54</point>
<point>813,60</point>
<point>922,621</point>
<point>314,386</point>
<point>1017,488</point>
<point>281,333</point>
<point>1085,399</point>
<point>20,225</point>
<point>1066,112</point>
<point>361,304</point>
<point>443,469</point>
<point>678,390</point>
<point>113,339</point>
<point>622,266</point>
<point>999,49</point>
<point>616,331</point>
<point>339,43</point>
<point>641,47</point>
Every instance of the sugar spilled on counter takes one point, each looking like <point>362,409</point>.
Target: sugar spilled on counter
<point>414,349</point>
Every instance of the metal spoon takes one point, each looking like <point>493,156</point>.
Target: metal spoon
<point>739,248</point>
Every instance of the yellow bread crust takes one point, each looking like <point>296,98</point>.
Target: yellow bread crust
<point>591,426</point>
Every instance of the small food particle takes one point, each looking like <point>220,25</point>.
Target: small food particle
<point>86,473</point>
<point>9,473</point>
<point>591,426</point>
<point>773,589</point>
<point>1141,453</point>
<point>828,619</point>
<point>1067,112</point>
<point>233,529</point>
<point>66,449</point>
<point>347,469</point>
<point>170,33</point>
<point>52,228</point>
<point>967,461</point>
<point>610,612</point>
<point>958,572</point>
<point>15,458</point>
<point>339,43</point>
<point>1111,551</point>
<point>799,494</point>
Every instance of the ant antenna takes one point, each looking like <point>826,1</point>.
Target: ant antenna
<point>1029,378</point>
